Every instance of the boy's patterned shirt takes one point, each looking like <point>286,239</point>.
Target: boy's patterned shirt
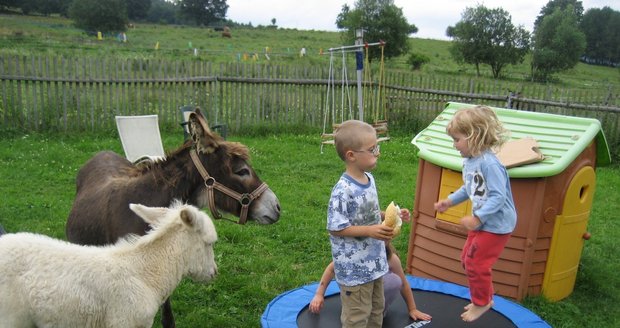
<point>357,260</point>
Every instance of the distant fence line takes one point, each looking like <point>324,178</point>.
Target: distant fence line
<point>68,94</point>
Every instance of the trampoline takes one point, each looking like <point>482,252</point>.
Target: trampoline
<point>442,300</point>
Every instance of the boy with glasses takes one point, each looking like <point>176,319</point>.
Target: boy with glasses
<point>357,236</point>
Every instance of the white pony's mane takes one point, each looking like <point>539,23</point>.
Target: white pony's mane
<point>159,228</point>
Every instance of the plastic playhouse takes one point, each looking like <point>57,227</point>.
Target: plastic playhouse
<point>553,199</point>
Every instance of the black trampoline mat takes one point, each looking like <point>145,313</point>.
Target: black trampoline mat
<point>445,309</point>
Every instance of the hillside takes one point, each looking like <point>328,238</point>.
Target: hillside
<point>55,36</point>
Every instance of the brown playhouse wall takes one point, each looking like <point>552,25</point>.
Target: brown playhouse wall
<point>435,245</point>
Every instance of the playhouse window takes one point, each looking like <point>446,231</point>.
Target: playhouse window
<point>450,182</point>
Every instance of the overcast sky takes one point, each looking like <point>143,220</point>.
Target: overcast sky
<point>432,17</point>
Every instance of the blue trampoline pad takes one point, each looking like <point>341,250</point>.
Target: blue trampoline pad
<point>443,301</point>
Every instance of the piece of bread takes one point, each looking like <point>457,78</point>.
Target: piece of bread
<point>392,218</point>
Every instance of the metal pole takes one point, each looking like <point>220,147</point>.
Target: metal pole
<point>359,56</point>
<point>356,46</point>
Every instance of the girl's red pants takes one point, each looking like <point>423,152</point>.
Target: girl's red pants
<point>481,251</point>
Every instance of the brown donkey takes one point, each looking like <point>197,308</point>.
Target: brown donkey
<point>205,171</point>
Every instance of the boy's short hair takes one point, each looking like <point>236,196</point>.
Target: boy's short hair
<point>348,136</point>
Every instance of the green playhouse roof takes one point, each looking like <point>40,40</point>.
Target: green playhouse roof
<point>560,138</point>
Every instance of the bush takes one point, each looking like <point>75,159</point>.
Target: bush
<point>416,60</point>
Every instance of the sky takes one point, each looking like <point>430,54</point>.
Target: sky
<point>432,17</point>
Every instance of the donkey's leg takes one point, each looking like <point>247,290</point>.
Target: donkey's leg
<point>167,317</point>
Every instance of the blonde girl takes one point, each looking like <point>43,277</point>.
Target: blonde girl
<point>475,133</point>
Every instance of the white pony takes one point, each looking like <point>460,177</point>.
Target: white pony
<point>46,282</point>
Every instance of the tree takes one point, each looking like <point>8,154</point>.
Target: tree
<point>48,7</point>
<point>381,20</point>
<point>138,9</point>
<point>44,7</point>
<point>487,36</point>
<point>602,30</point>
<point>9,3</point>
<point>28,6</point>
<point>558,44</point>
<point>203,12</point>
<point>552,5</point>
<point>162,11</point>
<point>99,15</point>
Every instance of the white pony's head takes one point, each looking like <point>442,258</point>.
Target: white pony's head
<point>198,239</point>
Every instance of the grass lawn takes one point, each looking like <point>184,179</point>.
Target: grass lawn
<point>257,263</point>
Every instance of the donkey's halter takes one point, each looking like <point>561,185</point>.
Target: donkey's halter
<point>244,199</point>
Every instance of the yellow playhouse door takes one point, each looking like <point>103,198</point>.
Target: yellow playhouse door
<point>567,241</point>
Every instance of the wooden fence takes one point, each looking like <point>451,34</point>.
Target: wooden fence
<point>60,94</point>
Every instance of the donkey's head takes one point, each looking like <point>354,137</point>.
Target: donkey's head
<point>231,184</point>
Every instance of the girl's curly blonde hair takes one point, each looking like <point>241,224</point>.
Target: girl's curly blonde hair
<point>482,129</point>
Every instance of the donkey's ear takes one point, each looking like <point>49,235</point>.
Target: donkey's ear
<point>204,139</point>
<point>150,215</point>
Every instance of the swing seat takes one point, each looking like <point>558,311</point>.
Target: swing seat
<point>381,127</point>
<point>328,138</point>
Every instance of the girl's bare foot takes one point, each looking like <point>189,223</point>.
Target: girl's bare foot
<point>468,306</point>
<point>474,312</point>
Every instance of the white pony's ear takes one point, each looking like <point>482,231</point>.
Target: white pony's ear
<point>188,217</point>
<point>199,221</point>
<point>149,214</point>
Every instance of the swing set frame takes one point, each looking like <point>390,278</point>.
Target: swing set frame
<point>365,90</point>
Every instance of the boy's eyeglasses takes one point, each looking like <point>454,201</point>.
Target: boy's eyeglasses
<point>374,150</point>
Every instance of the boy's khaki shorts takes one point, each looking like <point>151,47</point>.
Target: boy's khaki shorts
<point>362,305</point>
